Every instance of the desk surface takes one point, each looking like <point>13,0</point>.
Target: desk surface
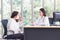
<point>41,26</point>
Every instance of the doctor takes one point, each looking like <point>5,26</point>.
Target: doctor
<point>43,19</point>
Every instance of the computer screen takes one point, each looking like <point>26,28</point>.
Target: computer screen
<point>56,16</point>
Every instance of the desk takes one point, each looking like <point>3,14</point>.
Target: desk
<point>42,32</point>
<point>41,26</point>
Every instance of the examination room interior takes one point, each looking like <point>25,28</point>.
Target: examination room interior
<point>28,12</point>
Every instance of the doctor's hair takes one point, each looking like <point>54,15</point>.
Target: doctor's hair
<point>43,11</point>
<point>14,13</point>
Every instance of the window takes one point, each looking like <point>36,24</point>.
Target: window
<point>57,5</point>
<point>27,15</point>
<point>49,7</point>
<point>0,10</point>
<point>0,16</point>
<point>6,9</point>
<point>28,8</point>
<point>37,4</point>
<point>16,5</point>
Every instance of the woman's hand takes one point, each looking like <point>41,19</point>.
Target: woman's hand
<point>20,18</point>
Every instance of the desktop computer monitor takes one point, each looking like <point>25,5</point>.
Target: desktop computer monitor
<point>56,16</point>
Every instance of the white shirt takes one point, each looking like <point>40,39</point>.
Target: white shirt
<point>13,25</point>
<point>44,21</point>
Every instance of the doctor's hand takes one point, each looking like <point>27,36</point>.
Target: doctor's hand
<point>32,23</point>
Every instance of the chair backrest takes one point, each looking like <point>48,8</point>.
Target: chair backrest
<point>51,21</point>
<point>4,23</point>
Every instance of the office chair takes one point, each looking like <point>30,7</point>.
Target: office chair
<point>51,21</point>
<point>13,36</point>
<point>4,23</point>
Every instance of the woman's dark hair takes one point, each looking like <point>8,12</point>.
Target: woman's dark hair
<point>43,10</point>
<point>14,13</point>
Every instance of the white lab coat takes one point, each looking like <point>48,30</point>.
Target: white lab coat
<point>44,21</point>
<point>13,25</point>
